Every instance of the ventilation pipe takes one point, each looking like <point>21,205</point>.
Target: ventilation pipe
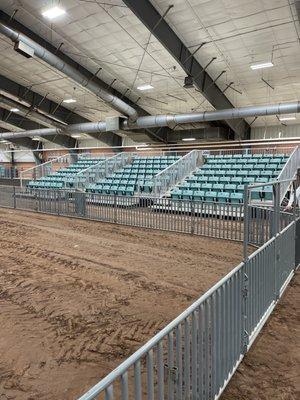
<point>53,60</point>
<point>171,121</point>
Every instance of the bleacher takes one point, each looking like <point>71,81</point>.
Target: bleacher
<point>222,178</point>
<point>64,177</point>
<point>135,177</point>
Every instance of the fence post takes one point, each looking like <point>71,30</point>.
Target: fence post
<point>14,197</point>
<point>115,208</point>
<point>192,217</point>
<point>57,201</point>
<point>245,288</point>
<point>276,234</point>
<point>246,222</point>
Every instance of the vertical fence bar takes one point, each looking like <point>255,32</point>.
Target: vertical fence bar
<point>137,381</point>
<point>170,366</point>
<point>194,357</point>
<point>187,360</point>
<point>150,376</point>
<point>160,371</point>
<point>124,386</point>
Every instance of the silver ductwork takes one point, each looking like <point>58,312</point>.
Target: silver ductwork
<point>171,121</point>
<point>53,60</point>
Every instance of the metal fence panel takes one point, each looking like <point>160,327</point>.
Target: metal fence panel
<point>195,356</point>
<point>197,353</point>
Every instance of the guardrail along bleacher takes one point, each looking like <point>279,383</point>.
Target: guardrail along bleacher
<point>222,178</point>
<point>65,177</point>
<point>135,178</point>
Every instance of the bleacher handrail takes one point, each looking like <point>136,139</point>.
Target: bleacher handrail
<point>289,171</point>
<point>176,172</point>
<point>110,164</point>
<point>41,170</point>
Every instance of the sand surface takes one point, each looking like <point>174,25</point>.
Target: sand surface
<point>78,297</point>
<point>270,371</point>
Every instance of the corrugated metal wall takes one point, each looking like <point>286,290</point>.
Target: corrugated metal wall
<point>274,132</point>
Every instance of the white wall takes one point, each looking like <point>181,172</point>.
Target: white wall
<point>4,157</point>
<point>275,132</point>
<point>20,156</point>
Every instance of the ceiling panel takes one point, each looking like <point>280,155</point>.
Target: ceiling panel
<point>237,32</point>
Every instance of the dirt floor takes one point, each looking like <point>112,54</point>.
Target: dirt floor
<point>78,297</point>
<point>270,371</point>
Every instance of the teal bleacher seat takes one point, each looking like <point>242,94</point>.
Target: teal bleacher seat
<point>223,197</point>
<point>236,198</point>
<point>187,194</point>
<point>227,175</point>
<point>199,195</point>
<point>210,196</point>
<point>206,186</point>
<point>230,187</point>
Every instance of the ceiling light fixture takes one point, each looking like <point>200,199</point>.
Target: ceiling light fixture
<point>146,86</point>
<point>189,139</point>
<point>78,136</point>
<point>262,65</point>
<point>15,110</point>
<point>69,101</point>
<point>53,12</point>
<point>291,118</point>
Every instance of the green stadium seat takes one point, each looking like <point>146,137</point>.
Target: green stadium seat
<point>223,197</point>
<point>236,198</point>
<point>198,195</point>
<point>210,196</point>
<point>230,187</point>
<point>187,194</point>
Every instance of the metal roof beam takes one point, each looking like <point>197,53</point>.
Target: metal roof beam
<point>151,18</point>
<point>47,106</point>
<point>25,124</point>
<point>13,23</point>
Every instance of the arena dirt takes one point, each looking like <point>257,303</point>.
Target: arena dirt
<point>78,297</point>
<point>270,371</point>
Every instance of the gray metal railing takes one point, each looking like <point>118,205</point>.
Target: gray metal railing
<point>218,220</point>
<point>100,170</point>
<point>39,171</point>
<point>176,172</point>
<point>289,171</point>
<point>195,356</point>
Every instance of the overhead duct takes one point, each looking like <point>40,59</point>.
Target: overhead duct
<point>167,120</point>
<point>233,113</point>
<point>53,60</point>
